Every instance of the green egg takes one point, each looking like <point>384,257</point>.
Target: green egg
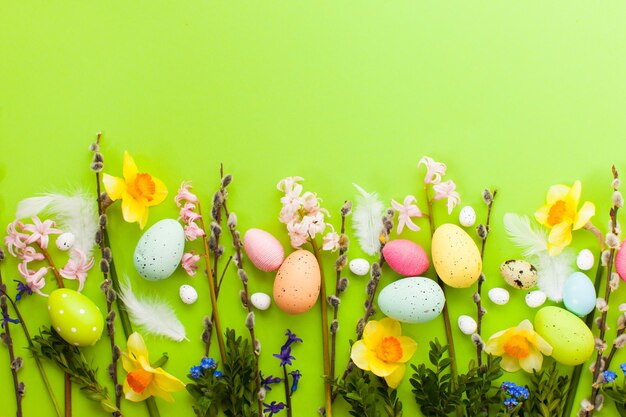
<point>75,317</point>
<point>571,340</point>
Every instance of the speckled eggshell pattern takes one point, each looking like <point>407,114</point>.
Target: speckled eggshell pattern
<point>620,261</point>
<point>405,257</point>
<point>159,250</point>
<point>297,283</point>
<point>519,274</point>
<point>75,317</point>
<point>412,300</point>
<point>263,249</point>
<point>455,256</point>
<point>571,340</point>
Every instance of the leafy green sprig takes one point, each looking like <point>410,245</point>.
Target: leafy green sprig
<point>368,395</point>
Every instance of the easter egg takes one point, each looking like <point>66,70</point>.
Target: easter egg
<point>263,249</point>
<point>260,300</point>
<point>405,257</point>
<point>412,300</point>
<point>620,261</point>
<point>585,260</point>
<point>359,266</point>
<point>579,294</point>
<point>159,250</point>
<point>65,241</point>
<point>297,283</point>
<point>75,317</point>
<point>535,299</point>
<point>188,294</point>
<point>519,274</point>
<point>467,324</point>
<point>498,296</point>
<point>467,216</point>
<point>571,340</point>
<point>455,256</point>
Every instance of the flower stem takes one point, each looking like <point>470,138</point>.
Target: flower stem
<point>9,342</point>
<point>31,347</point>
<point>446,314</point>
<point>53,267</point>
<point>215,313</point>
<point>325,330</point>
<point>479,309</point>
<point>287,392</point>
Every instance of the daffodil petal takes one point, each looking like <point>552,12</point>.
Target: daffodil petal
<point>114,186</point>
<point>144,218</point>
<point>360,355</point>
<point>132,210</point>
<point>525,325</point>
<point>373,333</point>
<point>161,393</point>
<point>587,211</point>
<point>560,236</point>
<point>556,193</point>
<point>574,194</point>
<point>129,364</point>
<point>381,368</point>
<point>392,327</point>
<point>129,168</point>
<point>509,363</point>
<point>534,360</point>
<point>136,346</point>
<point>167,382</point>
<point>160,192</point>
<point>409,346</point>
<point>135,396</point>
<point>541,344</point>
<point>542,215</point>
<point>495,344</point>
<point>394,378</point>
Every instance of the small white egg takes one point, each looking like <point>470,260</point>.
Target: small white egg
<point>65,241</point>
<point>467,324</point>
<point>467,216</point>
<point>535,299</point>
<point>585,260</point>
<point>359,266</point>
<point>498,296</point>
<point>260,300</point>
<point>188,294</point>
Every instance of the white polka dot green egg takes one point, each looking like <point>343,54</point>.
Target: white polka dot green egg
<point>75,317</point>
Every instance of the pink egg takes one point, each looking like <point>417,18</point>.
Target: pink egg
<point>263,249</point>
<point>620,261</point>
<point>406,257</point>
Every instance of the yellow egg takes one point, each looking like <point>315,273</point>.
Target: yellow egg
<point>571,340</point>
<point>297,283</point>
<point>455,256</point>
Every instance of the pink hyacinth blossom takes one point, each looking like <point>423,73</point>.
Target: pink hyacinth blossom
<point>189,262</point>
<point>188,214</point>
<point>316,224</point>
<point>192,231</point>
<point>405,212</point>
<point>29,254</point>
<point>290,185</point>
<point>447,190</point>
<point>331,241</point>
<point>15,239</point>
<point>434,170</point>
<point>298,233</point>
<point>40,231</point>
<point>77,268</point>
<point>34,280</point>
<point>185,195</point>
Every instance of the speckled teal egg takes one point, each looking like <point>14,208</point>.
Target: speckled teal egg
<point>571,340</point>
<point>412,300</point>
<point>159,250</point>
<point>75,317</point>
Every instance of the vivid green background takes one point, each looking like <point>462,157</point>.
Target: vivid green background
<point>516,95</point>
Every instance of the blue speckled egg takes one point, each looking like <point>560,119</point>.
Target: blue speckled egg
<point>159,250</point>
<point>412,300</point>
<point>579,294</point>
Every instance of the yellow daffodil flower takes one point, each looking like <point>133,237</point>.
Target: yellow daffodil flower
<point>142,380</point>
<point>520,347</point>
<point>137,190</point>
<point>383,350</point>
<point>561,215</point>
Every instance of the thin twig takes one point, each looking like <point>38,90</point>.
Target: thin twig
<point>287,391</point>
<point>19,391</point>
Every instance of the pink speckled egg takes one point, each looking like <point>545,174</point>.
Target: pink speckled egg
<point>263,249</point>
<point>406,257</point>
<point>297,283</point>
<point>620,261</point>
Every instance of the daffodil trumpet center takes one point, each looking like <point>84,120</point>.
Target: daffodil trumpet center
<point>389,350</point>
<point>517,347</point>
<point>142,187</point>
<point>139,380</point>
<point>558,212</point>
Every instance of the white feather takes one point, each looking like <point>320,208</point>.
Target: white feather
<point>553,272</point>
<point>75,213</point>
<point>533,240</point>
<point>152,314</point>
<point>367,220</point>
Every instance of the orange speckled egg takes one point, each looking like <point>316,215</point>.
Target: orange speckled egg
<point>297,283</point>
